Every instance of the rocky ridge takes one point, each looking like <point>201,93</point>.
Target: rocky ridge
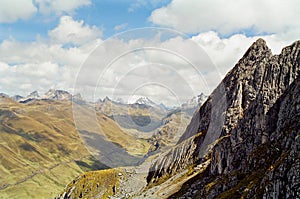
<point>252,88</point>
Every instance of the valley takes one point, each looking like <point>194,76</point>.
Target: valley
<point>42,146</point>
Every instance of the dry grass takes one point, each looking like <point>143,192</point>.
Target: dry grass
<point>39,143</point>
<point>94,184</point>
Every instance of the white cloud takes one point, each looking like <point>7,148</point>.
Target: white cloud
<point>14,52</point>
<point>225,17</point>
<point>40,65</point>
<point>157,66</point>
<point>120,27</point>
<point>225,52</point>
<point>60,6</point>
<point>24,78</point>
<point>13,10</point>
<point>75,32</point>
<point>36,66</point>
<point>165,64</point>
<point>146,63</point>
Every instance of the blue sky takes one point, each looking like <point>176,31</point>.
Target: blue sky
<point>105,14</point>
<point>45,43</point>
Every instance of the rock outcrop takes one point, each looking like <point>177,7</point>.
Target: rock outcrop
<point>249,127</point>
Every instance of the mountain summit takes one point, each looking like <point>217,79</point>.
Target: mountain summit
<point>145,101</point>
<point>148,102</point>
<point>57,95</point>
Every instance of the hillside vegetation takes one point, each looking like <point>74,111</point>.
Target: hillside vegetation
<point>41,149</point>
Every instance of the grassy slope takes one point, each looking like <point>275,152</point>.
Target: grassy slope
<point>40,149</point>
<point>94,184</point>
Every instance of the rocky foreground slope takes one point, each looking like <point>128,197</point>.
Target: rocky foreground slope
<point>242,143</point>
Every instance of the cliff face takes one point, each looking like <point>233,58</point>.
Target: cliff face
<point>257,93</point>
<point>283,127</point>
<point>269,170</point>
<point>249,130</point>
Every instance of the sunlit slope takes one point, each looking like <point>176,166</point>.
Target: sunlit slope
<point>94,184</point>
<point>41,150</point>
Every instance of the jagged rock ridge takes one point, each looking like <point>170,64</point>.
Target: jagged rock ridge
<point>253,88</point>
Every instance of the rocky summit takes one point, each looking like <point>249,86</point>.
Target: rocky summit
<point>243,142</point>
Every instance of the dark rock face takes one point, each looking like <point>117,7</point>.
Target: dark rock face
<point>257,153</point>
<point>283,127</point>
<point>261,86</point>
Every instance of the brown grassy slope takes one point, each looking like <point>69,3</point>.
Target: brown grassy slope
<point>41,150</point>
<point>94,184</point>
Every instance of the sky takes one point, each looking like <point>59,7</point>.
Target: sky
<point>168,50</point>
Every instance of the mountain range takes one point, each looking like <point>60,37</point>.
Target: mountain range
<point>145,115</point>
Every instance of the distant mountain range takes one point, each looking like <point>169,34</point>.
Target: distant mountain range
<point>189,106</point>
<point>142,115</point>
<point>50,95</point>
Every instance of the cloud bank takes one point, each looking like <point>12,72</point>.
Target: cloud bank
<point>219,29</point>
<point>227,17</point>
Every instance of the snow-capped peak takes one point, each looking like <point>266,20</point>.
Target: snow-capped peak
<point>57,95</point>
<point>145,100</point>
